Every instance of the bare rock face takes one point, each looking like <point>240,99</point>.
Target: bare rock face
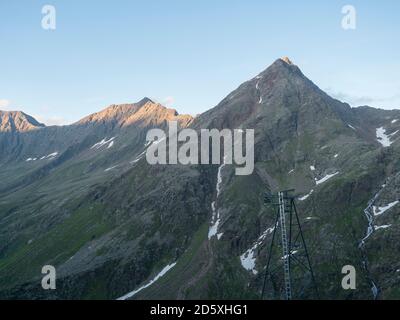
<point>17,121</point>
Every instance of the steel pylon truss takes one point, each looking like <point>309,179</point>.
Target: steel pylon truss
<point>290,254</point>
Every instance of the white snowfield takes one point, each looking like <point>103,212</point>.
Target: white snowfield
<point>380,210</point>
<point>312,168</point>
<point>139,157</point>
<point>306,196</point>
<point>368,212</point>
<point>382,227</point>
<point>158,276</point>
<point>257,88</point>
<point>248,259</point>
<point>212,231</point>
<point>395,120</point>
<point>104,142</point>
<point>50,156</point>
<point>216,220</point>
<point>383,138</point>
<point>350,126</point>
<point>111,168</point>
<point>326,178</point>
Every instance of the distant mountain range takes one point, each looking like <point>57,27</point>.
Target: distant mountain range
<point>83,198</point>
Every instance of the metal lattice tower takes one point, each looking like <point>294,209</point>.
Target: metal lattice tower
<point>285,246</point>
<point>287,220</point>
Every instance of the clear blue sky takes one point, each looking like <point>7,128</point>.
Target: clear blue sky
<point>189,53</point>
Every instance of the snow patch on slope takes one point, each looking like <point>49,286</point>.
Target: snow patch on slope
<point>258,89</point>
<point>380,210</point>
<point>350,126</point>
<point>50,156</point>
<point>383,138</point>
<point>111,168</point>
<point>382,227</point>
<point>215,219</point>
<point>104,142</point>
<point>326,178</point>
<point>306,196</point>
<point>158,276</point>
<point>368,211</point>
<point>248,259</point>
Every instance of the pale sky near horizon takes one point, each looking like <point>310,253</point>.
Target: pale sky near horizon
<point>189,54</point>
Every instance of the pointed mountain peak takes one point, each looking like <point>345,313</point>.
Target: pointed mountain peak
<point>284,63</point>
<point>18,121</point>
<point>144,101</point>
<point>281,86</point>
<point>286,60</point>
<point>282,68</point>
